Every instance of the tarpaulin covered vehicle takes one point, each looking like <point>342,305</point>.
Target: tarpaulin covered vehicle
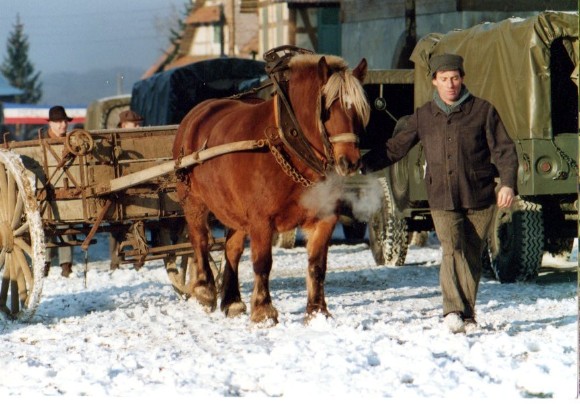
<point>527,68</point>
<point>166,97</point>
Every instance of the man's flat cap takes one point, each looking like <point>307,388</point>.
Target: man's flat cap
<point>446,62</point>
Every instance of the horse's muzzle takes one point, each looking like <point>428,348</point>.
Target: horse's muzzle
<point>345,167</point>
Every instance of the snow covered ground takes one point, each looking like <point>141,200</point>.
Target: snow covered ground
<point>127,334</point>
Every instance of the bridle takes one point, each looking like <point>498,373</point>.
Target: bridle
<point>289,133</point>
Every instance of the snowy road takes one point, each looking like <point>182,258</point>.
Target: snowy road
<point>127,334</point>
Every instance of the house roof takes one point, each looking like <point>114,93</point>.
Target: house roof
<point>204,15</point>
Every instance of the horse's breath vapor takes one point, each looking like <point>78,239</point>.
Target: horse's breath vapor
<point>366,200</point>
<point>323,197</point>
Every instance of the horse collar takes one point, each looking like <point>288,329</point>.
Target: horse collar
<point>292,135</point>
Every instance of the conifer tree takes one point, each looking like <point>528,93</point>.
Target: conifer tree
<point>18,69</point>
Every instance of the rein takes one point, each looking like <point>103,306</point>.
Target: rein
<point>289,131</point>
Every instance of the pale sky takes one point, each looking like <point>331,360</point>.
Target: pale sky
<point>79,35</point>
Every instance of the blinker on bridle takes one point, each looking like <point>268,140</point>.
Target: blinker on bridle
<point>289,130</point>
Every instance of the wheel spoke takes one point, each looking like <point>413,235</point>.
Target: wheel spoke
<point>18,211</point>
<point>21,230</point>
<point>23,246</point>
<point>14,302</point>
<point>2,258</point>
<point>23,263</point>
<point>10,197</point>
<point>3,192</point>
<point>5,281</point>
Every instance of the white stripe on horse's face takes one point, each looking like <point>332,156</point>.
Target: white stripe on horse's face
<point>348,102</point>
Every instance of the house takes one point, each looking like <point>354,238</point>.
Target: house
<point>249,28</point>
<point>382,31</point>
<point>212,29</point>
<point>314,25</point>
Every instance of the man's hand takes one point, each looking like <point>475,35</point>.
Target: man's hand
<point>373,160</point>
<point>505,197</point>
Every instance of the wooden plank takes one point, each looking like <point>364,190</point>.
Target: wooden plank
<point>142,176</point>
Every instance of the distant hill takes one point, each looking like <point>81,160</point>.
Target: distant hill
<point>71,88</point>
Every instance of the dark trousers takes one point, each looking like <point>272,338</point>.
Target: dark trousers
<point>462,234</point>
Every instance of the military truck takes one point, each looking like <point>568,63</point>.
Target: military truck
<point>104,112</point>
<point>527,68</point>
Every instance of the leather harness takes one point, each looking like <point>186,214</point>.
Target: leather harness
<point>289,131</point>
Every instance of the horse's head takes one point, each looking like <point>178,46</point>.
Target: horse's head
<point>345,112</point>
<point>333,112</point>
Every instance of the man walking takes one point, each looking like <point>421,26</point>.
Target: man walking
<point>466,146</point>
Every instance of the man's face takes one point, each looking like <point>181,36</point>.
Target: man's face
<point>131,124</point>
<point>58,127</point>
<point>448,85</point>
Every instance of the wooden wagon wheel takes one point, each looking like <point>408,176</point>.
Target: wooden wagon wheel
<point>21,240</point>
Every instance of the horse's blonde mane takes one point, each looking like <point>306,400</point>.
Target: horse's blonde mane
<point>345,87</point>
<point>341,85</point>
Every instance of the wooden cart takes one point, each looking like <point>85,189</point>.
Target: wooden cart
<point>113,180</point>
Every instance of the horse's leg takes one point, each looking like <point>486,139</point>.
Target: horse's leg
<point>319,236</point>
<point>231,303</point>
<point>203,283</point>
<point>261,247</point>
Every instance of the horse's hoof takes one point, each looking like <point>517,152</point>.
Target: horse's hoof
<point>206,297</point>
<point>234,309</point>
<point>264,314</point>
<point>314,314</point>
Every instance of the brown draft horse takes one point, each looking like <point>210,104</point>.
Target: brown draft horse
<point>258,192</point>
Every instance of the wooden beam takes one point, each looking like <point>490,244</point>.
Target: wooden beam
<point>139,177</point>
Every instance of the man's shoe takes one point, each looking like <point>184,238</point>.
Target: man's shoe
<point>66,269</point>
<point>454,322</point>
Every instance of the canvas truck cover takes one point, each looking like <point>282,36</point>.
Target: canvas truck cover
<point>392,76</point>
<point>104,112</point>
<point>522,66</point>
<point>165,98</point>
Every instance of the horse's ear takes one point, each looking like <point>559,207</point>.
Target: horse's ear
<point>360,72</point>
<point>323,70</point>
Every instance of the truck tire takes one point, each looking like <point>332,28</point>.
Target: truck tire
<point>517,242</point>
<point>388,236</point>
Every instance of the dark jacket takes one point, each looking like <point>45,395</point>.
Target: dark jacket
<point>464,153</point>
